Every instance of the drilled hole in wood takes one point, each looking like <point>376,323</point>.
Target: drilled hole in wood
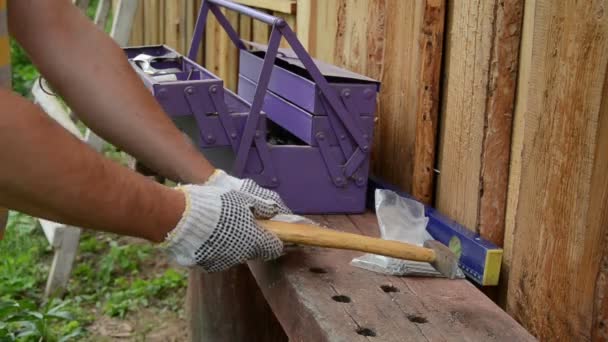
<point>417,319</point>
<point>341,299</point>
<point>366,332</point>
<point>318,270</point>
<point>389,288</point>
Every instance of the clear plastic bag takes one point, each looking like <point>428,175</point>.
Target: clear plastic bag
<point>400,219</point>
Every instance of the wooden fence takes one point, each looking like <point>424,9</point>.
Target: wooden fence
<point>516,142</point>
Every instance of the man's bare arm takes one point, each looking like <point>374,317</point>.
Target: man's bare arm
<point>46,172</point>
<point>92,74</point>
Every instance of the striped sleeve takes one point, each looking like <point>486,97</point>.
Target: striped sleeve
<point>5,59</point>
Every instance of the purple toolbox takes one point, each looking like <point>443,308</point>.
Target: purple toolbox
<point>300,127</point>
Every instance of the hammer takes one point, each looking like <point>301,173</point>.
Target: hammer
<point>433,252</point>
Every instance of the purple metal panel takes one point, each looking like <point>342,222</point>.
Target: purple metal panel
<point>304,92</point>
<point>286,115</point>
<point>306,186</point>
<point>294,119</point>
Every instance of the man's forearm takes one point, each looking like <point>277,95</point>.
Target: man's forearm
<point>48,173</point>
<point>92,74</point>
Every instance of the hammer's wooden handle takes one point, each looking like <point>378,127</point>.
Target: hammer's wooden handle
<point>311,235</point>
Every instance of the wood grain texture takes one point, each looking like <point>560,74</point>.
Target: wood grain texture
<point>499,120</point>
<point>172,25</point>
<point>379,39</point>
<point>599,203</point>
<point>317,296</point>
<point>229,306</point>
<point>557,279</point>
<point>137,28</point>
<point>261,32</point>
<point>465,93</point>
<point>431,49</point>
<point>151,22</point>
<point>481,63</point>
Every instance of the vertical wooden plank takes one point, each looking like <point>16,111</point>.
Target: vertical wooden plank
<point>245,27</point>
<point>380,39</point>
<point>499,120</point>
<point>481,62</point>
<point>261,32</point>
<point>557,278</point>
<point>162,20</point>
<point>599,203</point>
<point>521,99</point>
<point>230,54</point>
<point>137,29</point>
<point>172,25</point>
<point>467,65</point>
<point>212,37</point>
<point>431,45</point>
<point>229,306</point>
<point>151,22</point>
<point>190,17</point>
<point>306,24</point>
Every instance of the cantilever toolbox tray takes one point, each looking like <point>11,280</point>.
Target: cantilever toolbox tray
<point>300,127</point>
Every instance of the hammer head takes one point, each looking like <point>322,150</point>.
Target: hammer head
<point>446,261</point>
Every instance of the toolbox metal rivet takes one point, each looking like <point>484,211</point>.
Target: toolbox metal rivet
<point>210,139</point>
<point>189,90</point>
<point>274,180</point>
<point>257,134</point>
<point>213,89</point>
<point>365,148</point>
<point>346,93</point>
<point>368,93</point>
<point>233,135</point>
<point>320,136</point>
<point>161,94</point>
<point>342,136</point>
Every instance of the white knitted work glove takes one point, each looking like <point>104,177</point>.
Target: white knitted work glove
<point>218,229</point>
<point>221,179</point>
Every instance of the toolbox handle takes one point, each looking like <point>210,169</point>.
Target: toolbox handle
<point>248,11</point>
<point>280,29</point>
<point>213,6</point>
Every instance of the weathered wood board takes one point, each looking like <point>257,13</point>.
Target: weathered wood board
<point>558,213</point>
<point>479,79</point>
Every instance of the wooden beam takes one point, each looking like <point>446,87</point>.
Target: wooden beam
<point>480,80</point>
<point>431,45</point>
<point>228,306</point>
<point>317,296</point>
<point>557,276</point>
<point>283,6</point>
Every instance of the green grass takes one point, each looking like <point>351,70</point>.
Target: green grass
<point>113,276</point>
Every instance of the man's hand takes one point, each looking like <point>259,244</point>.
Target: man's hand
<point>221,179</point>
<point>218,229</point>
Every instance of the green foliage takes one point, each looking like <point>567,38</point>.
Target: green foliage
<point>24,321</point>
<point>140,293</point>
<point>24,73</point>
<point>20,251</point>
